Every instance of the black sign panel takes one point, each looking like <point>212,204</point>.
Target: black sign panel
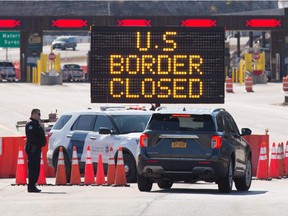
<point>157,65</point>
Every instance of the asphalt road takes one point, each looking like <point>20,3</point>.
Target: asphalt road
<point>260,110</point>
<point>265,198</point>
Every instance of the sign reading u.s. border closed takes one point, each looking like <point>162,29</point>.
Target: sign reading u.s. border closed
<point>157,65</point>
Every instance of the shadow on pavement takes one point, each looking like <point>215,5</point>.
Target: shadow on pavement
<point>208,191</point>
<point>53,193</point>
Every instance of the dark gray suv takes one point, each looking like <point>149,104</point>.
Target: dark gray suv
<point>191,145</point>
<point>64,42</point>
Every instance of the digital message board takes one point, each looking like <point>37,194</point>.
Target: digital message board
<point>157,65</point>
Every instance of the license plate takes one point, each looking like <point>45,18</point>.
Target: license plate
<point>178,144</point>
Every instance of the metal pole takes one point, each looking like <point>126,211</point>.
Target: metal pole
<point>238,45</point>
<point>250,39</point>
<point>263,39</point>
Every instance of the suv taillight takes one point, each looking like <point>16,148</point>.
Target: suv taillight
<point>216,142</point>
<point>143,140</point>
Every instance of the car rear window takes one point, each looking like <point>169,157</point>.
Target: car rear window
<point>61,39</point>
<point>61,122</point>
<point>72,66</point>
<point>180,122</point>
<point>6,64</point>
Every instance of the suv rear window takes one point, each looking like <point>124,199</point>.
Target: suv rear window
<point>6,64</point>
<point>186,123</point>
<point>84,122</point>
<point>61,122</point>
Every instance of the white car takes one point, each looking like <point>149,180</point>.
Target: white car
<point>100,130</point>
<point>72,72</point>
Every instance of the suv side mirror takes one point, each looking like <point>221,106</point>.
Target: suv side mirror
<point>246,131</point>
<point>104,130</point>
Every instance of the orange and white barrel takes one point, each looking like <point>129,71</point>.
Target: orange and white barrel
<point>285,83</point>
<point>229,85</point>
<point>249,84</point>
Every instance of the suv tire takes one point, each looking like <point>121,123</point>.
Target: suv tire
<point>244,183</point>
<point>144,184</point>
<point>164,184</point>
<point>225,184</point>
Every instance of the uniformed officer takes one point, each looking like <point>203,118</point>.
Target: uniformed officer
<point>35,140</point>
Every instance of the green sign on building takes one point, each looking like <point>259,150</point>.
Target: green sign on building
<point>10,39</point>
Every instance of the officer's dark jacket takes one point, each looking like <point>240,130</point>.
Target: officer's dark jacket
<point>35,134</point>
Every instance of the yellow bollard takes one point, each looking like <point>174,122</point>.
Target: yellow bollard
<point>43,60</point>
<point>39,69</point>
<point>57,66</point>
<point>34,75</point>
<point>37,77</point>
<point>248,62</point>
<point>241,72</point>
<point>28,73</point>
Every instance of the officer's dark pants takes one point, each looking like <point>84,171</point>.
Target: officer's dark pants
<point>34,158</point>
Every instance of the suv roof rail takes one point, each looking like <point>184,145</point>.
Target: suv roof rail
<point>135,107</point>
<point>160,108</point>
<point>106,108</point>
<point>124,107</point>
<point>184,109</point>
<point>218,109</point>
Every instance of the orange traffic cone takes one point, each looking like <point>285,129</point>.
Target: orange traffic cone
<point>111,168</point>
<point>120,175</point>
<point>89,171</point>
<point>75,172</point>
<point>42,175</point>
<point>21,173</point>
<point>273,169</point>
<point>280,160</point>
<point>100,178</point>
<point>61,169</point>
<point>262,168</point>
<point>286,158</point>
